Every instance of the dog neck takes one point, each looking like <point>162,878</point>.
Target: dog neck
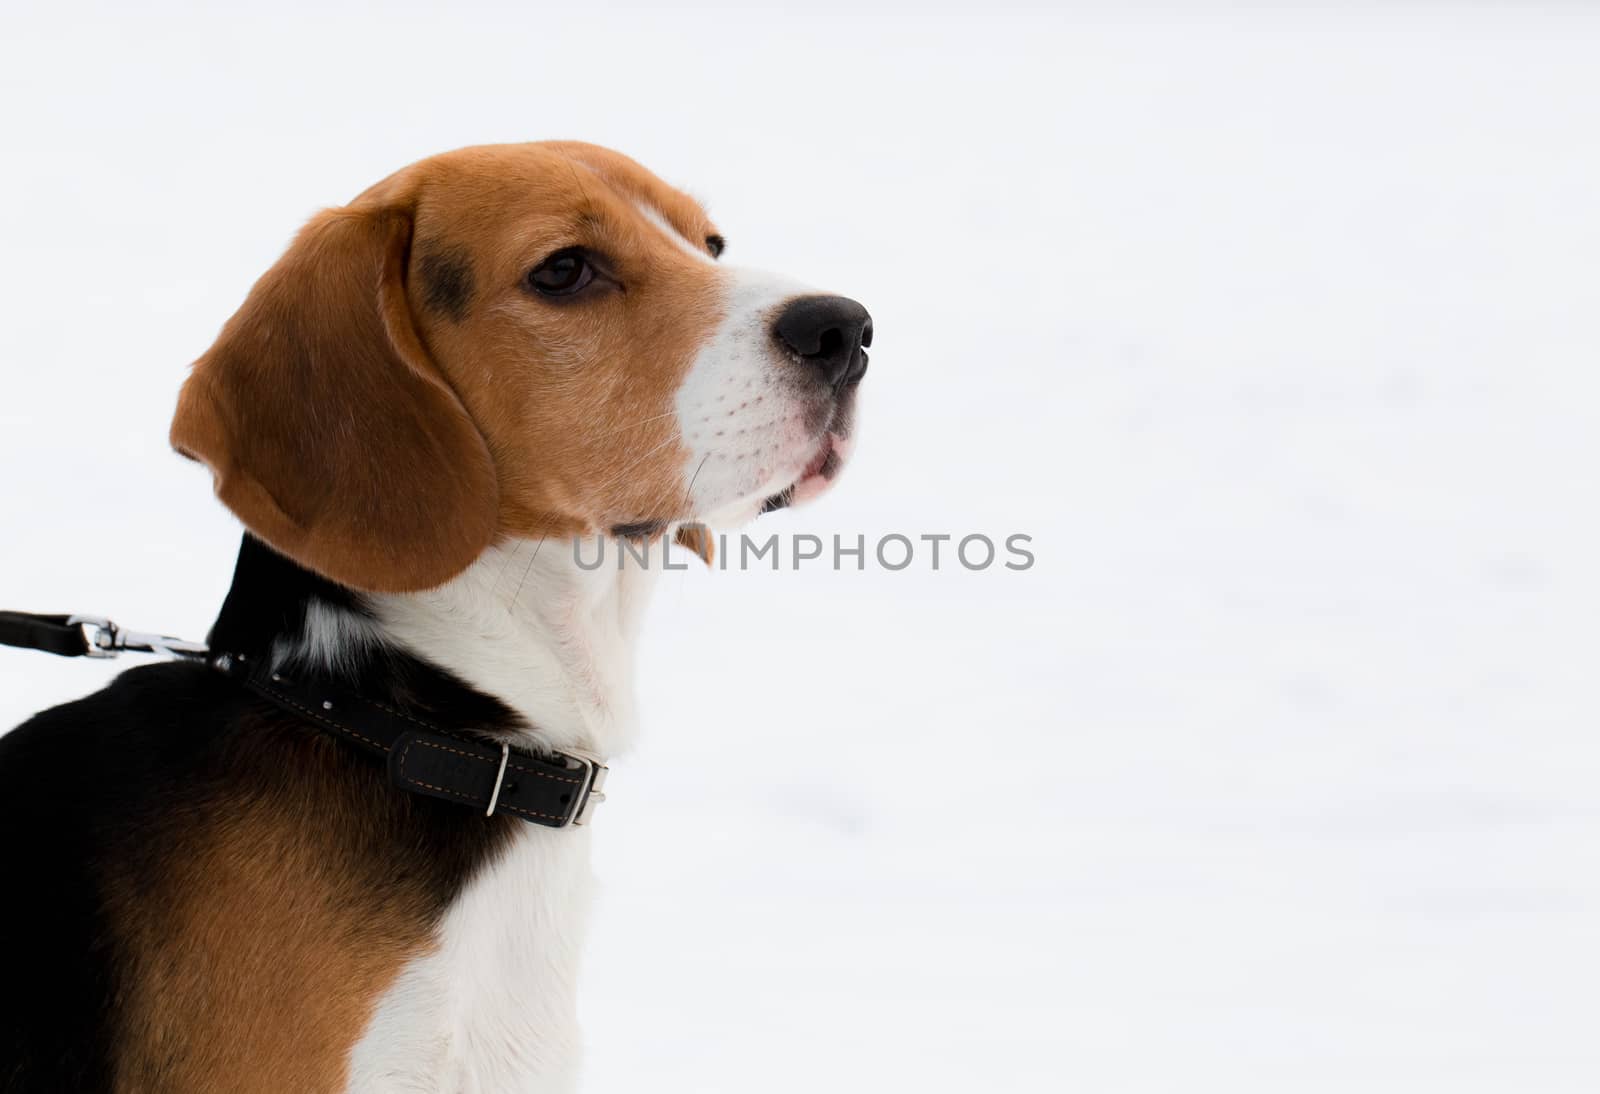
<point>526,625</point>
<point>549,638</point>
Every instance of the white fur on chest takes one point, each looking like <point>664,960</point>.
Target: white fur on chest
<point>493,1009</point>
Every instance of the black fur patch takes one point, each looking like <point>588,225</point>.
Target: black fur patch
<point>447,284</point>
<point>780,500</point>
<point>642,529</point>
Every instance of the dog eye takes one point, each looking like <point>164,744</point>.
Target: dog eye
<point>562,274</point>
<point>716,245</point>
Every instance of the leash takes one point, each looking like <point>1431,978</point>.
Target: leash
<point>89,636</point>
<point>554,791</point>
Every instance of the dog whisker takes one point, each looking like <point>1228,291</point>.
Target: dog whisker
<point>640,422</point>
<point>619,476</point>
<point>525,572</point>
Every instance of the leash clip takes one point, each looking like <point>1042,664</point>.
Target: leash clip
<point>99,635</point>
<point>103,638</point>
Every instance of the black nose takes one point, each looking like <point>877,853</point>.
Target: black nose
<point>829,332</point>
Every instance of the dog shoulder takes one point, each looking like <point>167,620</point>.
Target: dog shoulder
<point>198,867</point>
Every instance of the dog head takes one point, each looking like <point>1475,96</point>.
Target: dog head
<point>515,340</point>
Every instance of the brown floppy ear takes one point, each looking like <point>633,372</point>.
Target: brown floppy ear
<point>329,431</point>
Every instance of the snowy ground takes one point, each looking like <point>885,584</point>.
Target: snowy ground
<point>1278,333</point>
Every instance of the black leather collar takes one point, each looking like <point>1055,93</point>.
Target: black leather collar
<point>555,791</point>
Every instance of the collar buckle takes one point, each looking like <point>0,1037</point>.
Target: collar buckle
<point>591,791</point>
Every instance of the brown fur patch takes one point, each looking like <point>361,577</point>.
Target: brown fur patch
<point>259,948</point>
<point>697,538</point>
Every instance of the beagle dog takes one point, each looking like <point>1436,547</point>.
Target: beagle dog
<point>436,394</point>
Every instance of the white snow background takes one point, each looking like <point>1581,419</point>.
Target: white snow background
<point>1276,329</point>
